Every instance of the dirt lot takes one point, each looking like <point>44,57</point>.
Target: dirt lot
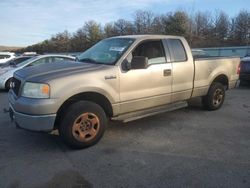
<point>185,148</point>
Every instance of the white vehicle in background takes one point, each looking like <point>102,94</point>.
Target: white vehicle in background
<point>6,73</point>
<point>29,53</point>
<point>6,56</point>
<point>14,62</point>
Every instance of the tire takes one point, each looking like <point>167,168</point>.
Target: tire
<point>7,84</point>
<point>83,124</point>
<point>215,97</point>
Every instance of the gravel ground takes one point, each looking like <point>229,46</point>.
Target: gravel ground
<point>185,148</point>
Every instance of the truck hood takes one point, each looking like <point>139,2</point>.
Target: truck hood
<point>49,71</point>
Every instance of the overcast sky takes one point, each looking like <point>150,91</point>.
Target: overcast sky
<point>26,22</point>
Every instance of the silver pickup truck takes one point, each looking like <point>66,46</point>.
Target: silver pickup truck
<point>121,78</point>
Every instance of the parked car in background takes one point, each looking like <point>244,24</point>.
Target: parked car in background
<point>245,69</point>
<point>15,61</point>
<point>6,56</point>
<point>29,53</point>
<point>6,73</point>
<point>247,55</point>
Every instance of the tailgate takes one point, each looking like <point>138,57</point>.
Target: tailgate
<point>207,69</point>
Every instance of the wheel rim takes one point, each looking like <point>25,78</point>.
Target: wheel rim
<point>86,127</point>
<point>218,97</point>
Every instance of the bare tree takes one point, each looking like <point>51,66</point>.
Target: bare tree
<point>93,32</point>
<point>177,23</point>
<point>221,28</point>
<point>109,30</point>
<point>241,28</point>
<point>202,29</point>
<point>143,21</point>
<point>124,27</point>
<point>158,26</point>
<point>203,24</point>
<point>79,40</point>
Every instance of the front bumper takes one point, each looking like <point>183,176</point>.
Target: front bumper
<point>43,123</point>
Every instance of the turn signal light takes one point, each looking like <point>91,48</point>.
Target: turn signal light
<point>45,89</point>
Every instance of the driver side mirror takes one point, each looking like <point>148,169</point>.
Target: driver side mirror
<point>139,62</point>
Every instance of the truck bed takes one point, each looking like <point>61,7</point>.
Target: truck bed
<point>209,67</point>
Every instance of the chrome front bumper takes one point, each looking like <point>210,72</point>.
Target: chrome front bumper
<point>43,123</point>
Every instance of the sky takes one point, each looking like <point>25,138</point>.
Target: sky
<point>26,22</point>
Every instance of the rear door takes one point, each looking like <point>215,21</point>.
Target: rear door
<point>182,69</point>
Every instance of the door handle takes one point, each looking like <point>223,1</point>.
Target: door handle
<point>167,72</point>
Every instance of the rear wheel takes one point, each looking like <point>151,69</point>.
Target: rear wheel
<point>215,97</point>
<point>83,124</point>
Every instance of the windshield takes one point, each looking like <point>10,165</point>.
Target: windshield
<point>107,51</point>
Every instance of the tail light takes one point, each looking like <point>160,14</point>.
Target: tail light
<point>238,69</point>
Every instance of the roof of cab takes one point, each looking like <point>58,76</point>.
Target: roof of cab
<point>147,36</point>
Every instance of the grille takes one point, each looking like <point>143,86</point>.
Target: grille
<point>15,85</point>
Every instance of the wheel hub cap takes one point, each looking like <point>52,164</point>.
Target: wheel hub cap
<point>218,97</point>
<point>85,127</point>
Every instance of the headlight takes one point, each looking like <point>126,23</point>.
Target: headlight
<point>36,90</point>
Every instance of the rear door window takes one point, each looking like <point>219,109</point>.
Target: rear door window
<point>177,50</point>
<point>41,61</point>
<point>20,60</point>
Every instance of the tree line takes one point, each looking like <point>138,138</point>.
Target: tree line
<point>201,29</point>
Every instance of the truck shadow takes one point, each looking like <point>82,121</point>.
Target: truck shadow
<point>163,119</point>
<point>244,85</point>
<point>3,91</point>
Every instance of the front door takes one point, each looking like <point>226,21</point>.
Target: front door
<point>149,87</point>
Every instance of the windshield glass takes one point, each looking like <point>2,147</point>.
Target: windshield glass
<point>107,51</point>
<point>26,61</point>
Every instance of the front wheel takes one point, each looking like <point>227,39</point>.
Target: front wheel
<point>215,97</point>
<point>83,124</point>
<point>7,84</point>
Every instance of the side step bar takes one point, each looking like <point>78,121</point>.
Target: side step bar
<point>150,112</point>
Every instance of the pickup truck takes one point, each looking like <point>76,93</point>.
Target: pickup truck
<point>120,78</point>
